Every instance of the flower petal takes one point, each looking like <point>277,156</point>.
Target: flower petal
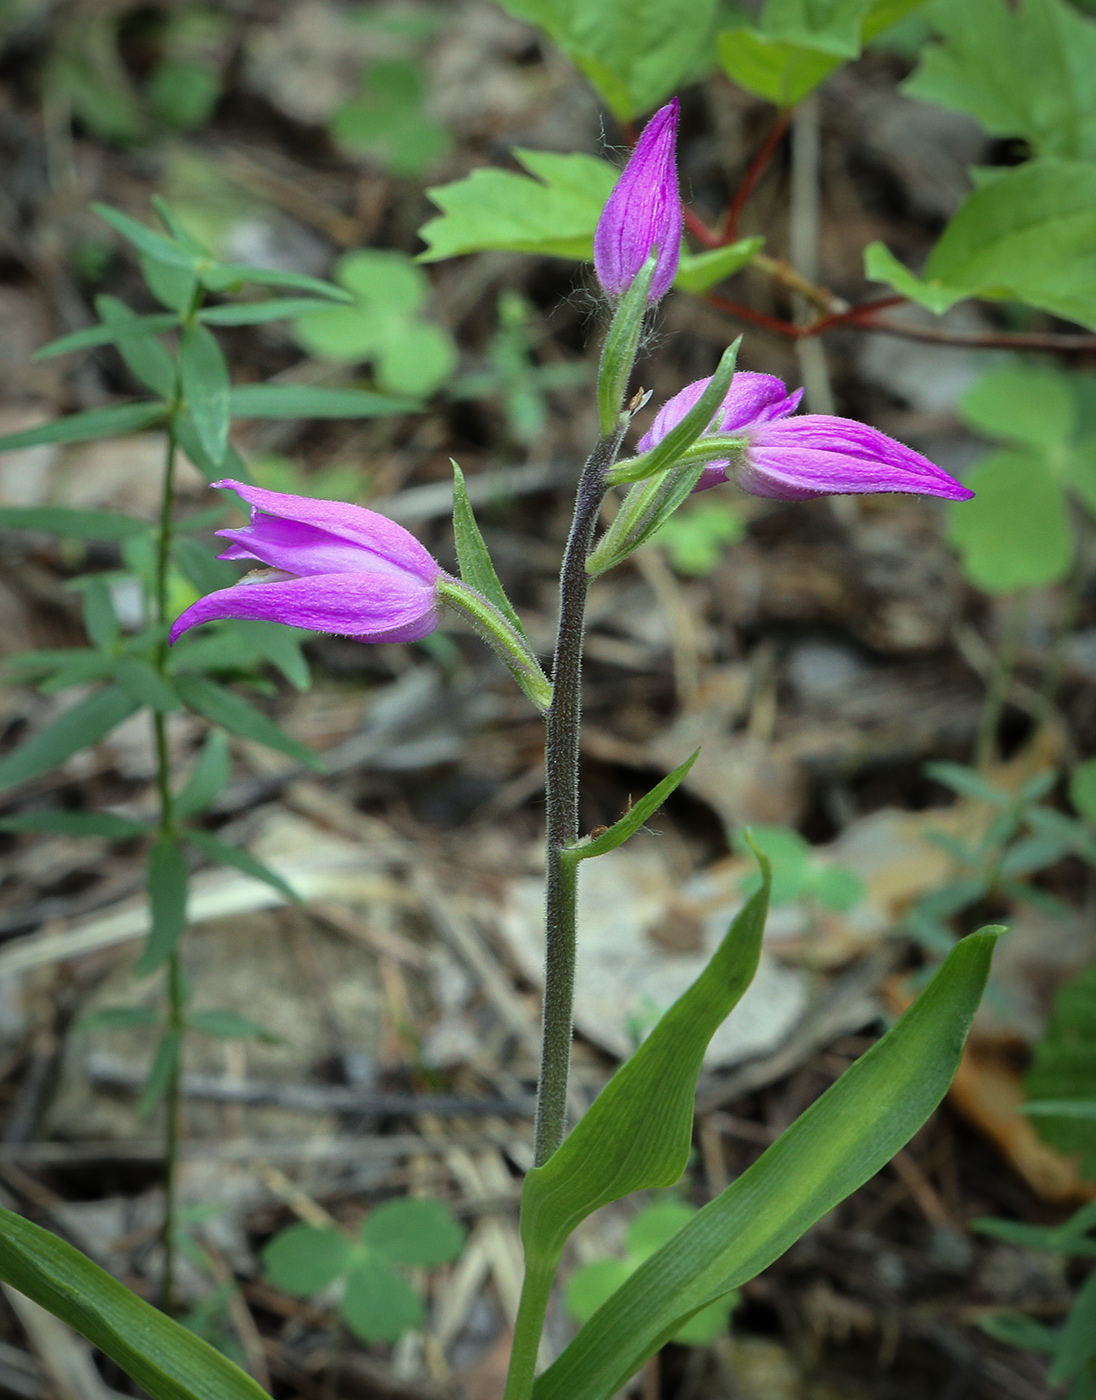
<point>752,398</point>
<point>818,455</point>
<point>368,605</point>
<point>366,528</point>
<point>301,549</point>
<point>643,212</point>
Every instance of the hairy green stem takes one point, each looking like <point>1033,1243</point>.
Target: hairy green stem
<point>561,755</point>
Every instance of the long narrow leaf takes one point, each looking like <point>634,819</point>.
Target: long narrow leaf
<point>304,401</point>
<point>256,313</point>
<point>835,1146</point>
<point>227,709</point>
<point>239,859</point>
<point>153,245</point>
<point>167,896</point>
<point>169,1361</point>
<point>476,566</point>
<point>83,427</point>
<point>82,725</point>
<point>71,523</point>
<point>220,276</point>
<point>103,824</point>
<point>144,356</point>
<point>106,334</point>
<point>206,382</point>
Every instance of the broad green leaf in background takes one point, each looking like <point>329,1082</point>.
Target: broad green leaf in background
<point>170,1362</point>
<point>556,212</point>
<point>770,68</point>
<point>306,401</point>
<point>1025,70</point>
<point>1064,1068</point>
<point>83,427</point>
<point>413,1230</point>
<point>636,1134</point>
<point>145,358</point>
<point>239,859</point>
<point>1032,406</point>
<point>73,524</point>
<point>635,51</point>
<point>167,879</point>
<point>233,713</point>
<point>477,568</point>
<point>831,26</point>
<point>1016,531</point>
<point>385,324</point>
<point>206,383</point>
<point>389,120</point>
<point>1028,235</point>
<point>79,727</point>
<point>696,272</point>
<point>306,1259</point>
<point>835,1146</point>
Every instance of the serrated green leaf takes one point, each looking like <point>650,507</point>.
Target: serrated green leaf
<point>1027,70</point>
<point>239,859</point>
<point>696,272</point>
<point>1034,406</point>
<point>234,713</point>
<point>119,1018</point>
<point>209,778</point>
<point>636,1134</point>
<point>633,819</point>
<point>1016,532</point>
<point>378,1304</point>
<point>107,334</point>
<point>161,1355</point>
<point>415,1230</point>
<point>831,26</point>
<point>206,384</point>
<point>554,213</point>
<point>831,1149</point>
<point>167,879</point>
<point>257,313</point>
<point>304,401</point>
<point>880,265</point>
<point>85,427</point>
<point>635,53</point>
<point>80,727</point>
<point>229,1025</point>
<point>104,824</point>
<point>305,1259</point>
<point>477,568</point>
<point>1064,1068</point>
<point>780,72</point>
<point>145,684</point>
<point>147,241</point>
<point>165,1063</point>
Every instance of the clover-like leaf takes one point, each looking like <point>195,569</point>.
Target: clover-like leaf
<point>415,1230</point>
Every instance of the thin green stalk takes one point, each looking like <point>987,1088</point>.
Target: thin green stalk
<point>997,691</point>
<point>561,759</point>
<point>536,1289</point>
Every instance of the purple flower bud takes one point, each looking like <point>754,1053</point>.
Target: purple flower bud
<point>794,459</point>
<point>643,212</point>
<point>330,567</point>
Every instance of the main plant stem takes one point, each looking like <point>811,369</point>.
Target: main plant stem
<point>561,757</point>
<point>175,988</point>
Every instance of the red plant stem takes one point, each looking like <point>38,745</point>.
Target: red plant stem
<point>754,172</point>
<point>699,229</point>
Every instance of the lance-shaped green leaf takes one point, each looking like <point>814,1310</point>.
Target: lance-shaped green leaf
<point>81,726</point>
<point>239,859</point>
<point>145,684</point>
<point>257,313</point>
<point>682,436</point>
<point>218,277</point>
<point>230,1025</point>
<point>233,713</point>
<point>307,401</point>
<point>164,1065</point>
<point>1076,1349</point>
<point>636,1134</point>
<point>164,1357</point>
<point>147,241</point>
<point>84,427</point>
<point>477,568</point>
<point>206,384</point>
<point>167,878</point>
<point>110,333</point>
<point>102,824</point>
<point>632,820</point>
<point>144,356</point>
<point>835,1146</point>
<point>71,523</point>
<point>210,776</point>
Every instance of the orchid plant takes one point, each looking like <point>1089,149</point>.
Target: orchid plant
<point>342,568</point>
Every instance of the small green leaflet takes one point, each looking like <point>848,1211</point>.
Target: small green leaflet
<point>232,712</point>
<point>414,1230</point>
<point>305,1259</point>
<point>224,854</point>
<point>636,1134</point>
<point>170,1362</point>
<point>636,54</point>
<point>556,212</point>
<point>1028,235</point>
<point>1026,70</point>
<point>835,1146</point>
<point>782,73</point>
<point>304,401</point>
<point>79,727</point>
<point>167,880</point>
<point>83,427</point>
<point>477,569</point>
<point>206,383</point>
